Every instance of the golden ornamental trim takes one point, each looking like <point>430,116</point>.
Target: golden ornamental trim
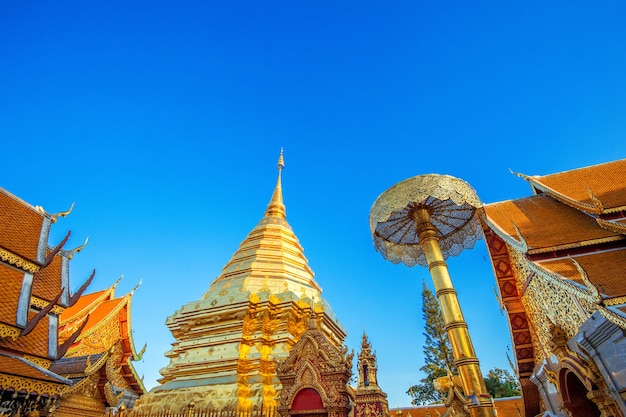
<point>44,363</point>
<point>30,385</point>
<point>80,386</point>
<point>9,331</point>
<point>595,208</point>
<point>508,239</point>
<point>16,260</point>
<point>92,368</point>
<point>41,303</point>
<point>614,318</point>
<point>576,245</point>
<point>611,225</point>
<point>611,302</point>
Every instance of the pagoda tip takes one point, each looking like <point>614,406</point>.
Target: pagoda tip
<point>281,161</point>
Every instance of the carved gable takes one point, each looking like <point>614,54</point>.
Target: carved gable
<point>315,376</point>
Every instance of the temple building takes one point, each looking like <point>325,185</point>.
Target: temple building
<point>99,361</point>
<point>35,292</point>
<point>227,343</point>
<point>61,354</point>
<point>559,257</point>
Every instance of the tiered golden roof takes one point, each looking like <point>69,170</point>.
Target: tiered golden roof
<point>254,312</point>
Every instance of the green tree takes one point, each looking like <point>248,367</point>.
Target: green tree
<point>500,383</point>
<point>438,356</point>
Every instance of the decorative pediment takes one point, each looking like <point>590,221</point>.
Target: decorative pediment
<point>315,370</point>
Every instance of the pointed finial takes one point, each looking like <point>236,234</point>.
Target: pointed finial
<point>281,160</point>
<point>276,208</point>
<point>78,249</point>
<point>136,287</point>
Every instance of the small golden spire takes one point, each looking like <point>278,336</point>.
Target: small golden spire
<point>276,208</point>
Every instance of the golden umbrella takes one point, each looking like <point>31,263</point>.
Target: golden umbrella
<point>423,220</point>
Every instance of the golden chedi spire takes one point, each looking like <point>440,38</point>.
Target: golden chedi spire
<point>253,313</point>
<point>276,207</point>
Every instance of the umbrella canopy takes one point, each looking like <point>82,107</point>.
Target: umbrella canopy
<point>451,203</point>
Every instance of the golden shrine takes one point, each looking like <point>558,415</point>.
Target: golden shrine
<point>99,361</point>
<point>559,258</point>
<point>252,315</point>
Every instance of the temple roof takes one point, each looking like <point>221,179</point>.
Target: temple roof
<point>86,303</point>
<point>595,189</point>
<point>546,224</point>
<point>11,287</point>
<point>13,365</point>
<point>35,343</point>
<point>270,258</point>
<point>605,269</point>
<point>578,216</point>
<point>97,309</point>
<point>106,325</point>
<point>21,227</point>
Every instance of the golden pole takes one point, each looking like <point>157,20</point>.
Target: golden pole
<point>456,327</point>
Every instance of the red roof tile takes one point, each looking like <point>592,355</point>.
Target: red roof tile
<point>545,223</point>
<point>47,281</point>
<point>607,182</point>
<point>84,305</point>
<point>605,269</point>
<point>34,344</point>
<point>20,227</point>
<point>17,366</point>
<point>11,286</point>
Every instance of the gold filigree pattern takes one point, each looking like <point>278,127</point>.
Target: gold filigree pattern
<point>29,385</point>
<point>548,295</point>
<point>9,331</point>
<point>451,203</point>
<point>40,303</point>
<point>18,261</point>
<point>95,342</point>
<point>87,386</point>
<point>114,368</point>
<point>44,363</point>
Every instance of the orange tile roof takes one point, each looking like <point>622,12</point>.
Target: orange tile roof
<point>97,316</point>
<point>11,288</point>
<point>13,365</point>
<point>35,343</point>
<point>21,226</point>
<point>607,182</point>
<point>545,223</point>
<point>47,281</point>
<point>84,305</point>
<point>605,269</point>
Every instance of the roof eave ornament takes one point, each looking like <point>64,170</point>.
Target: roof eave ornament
<point>56,250</point>
<point>592,289</point>
<point>74,251</point>
<point>64,347</point>
<point>82,289</point>
<point>32,323</point>
<point>55,217</point>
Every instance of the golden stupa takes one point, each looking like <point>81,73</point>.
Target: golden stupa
<point>227,342</point>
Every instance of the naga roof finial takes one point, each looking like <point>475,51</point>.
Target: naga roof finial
<point>276,208</point>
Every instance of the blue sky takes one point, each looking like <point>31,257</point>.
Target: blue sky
<point>163,121</point>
